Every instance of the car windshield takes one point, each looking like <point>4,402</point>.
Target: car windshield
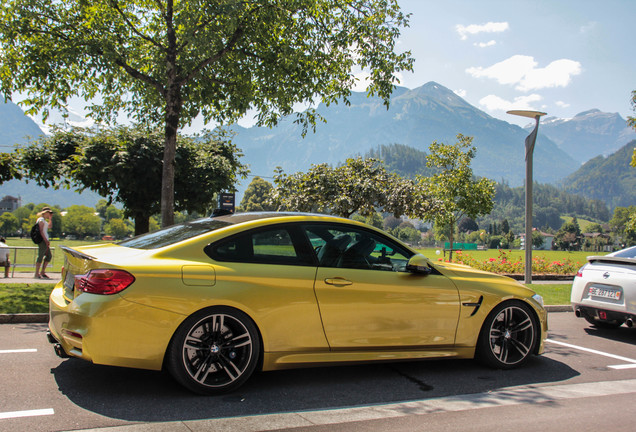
<point>626,253</point>
<point>174,234</point>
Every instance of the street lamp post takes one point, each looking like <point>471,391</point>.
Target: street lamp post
<point>530,141</point>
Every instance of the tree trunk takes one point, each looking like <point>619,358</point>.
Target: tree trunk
<point>142,223</point>
<point>173,113</point>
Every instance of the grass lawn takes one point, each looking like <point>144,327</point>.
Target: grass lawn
<point>24,298</point>
<point>553,294</point>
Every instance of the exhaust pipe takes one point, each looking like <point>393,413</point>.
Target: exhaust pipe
<point>59,351</point>
<point>629,323</point>
<point>577,312</point>
<point>50,337</point>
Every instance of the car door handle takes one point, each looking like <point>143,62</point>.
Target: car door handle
<point>338,281</point>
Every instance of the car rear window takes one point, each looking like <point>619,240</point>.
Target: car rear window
<point>627,253</point>
<point>174,234</point>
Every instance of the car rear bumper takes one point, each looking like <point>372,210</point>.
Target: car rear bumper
<point>110,330</point>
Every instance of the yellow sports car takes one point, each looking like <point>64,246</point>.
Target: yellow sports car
<point>214,299</point>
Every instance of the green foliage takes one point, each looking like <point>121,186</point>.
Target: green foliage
<point>360,186</point>
<point>81,221</point>
<point>453,184</point>
<point>8,168</point>
<point>166,62</point>
<point>9,224</point>
<point>257,196</point>
<point>118,228</point>
<point>401,159</point>
<point>549,203</point>
<point>611,179</point>
<point>125,165</point>
<point>624,224</point>
<point>568,238</point>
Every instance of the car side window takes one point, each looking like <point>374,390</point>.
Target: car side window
<point>268,246</point>
<point>344,247</point>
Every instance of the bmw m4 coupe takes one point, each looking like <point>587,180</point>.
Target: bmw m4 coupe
<point>214,299</point>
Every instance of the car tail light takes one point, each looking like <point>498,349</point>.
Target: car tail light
<point>580,272</point>
<point>104,281</point>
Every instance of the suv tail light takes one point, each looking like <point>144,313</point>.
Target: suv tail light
<point>104,281</point>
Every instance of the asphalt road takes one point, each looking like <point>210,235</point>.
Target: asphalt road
<point>586,380</point>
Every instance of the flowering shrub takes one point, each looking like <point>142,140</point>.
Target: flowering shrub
<point>506,265</point>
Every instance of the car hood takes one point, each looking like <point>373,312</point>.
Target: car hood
<point>465,276</point>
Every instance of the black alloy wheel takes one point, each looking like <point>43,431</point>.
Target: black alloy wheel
<point>508,336</point>
<point>214,351</point>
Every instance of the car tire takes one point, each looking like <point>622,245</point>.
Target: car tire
<point>214,351</point>
<point>508,336</point>
<point>603,324</point>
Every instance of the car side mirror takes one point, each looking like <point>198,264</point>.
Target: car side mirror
<point>419,264</point>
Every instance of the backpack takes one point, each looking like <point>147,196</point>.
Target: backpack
<point>36,235</point>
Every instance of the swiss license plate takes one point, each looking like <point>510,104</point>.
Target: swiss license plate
<point>607,293</point>
<point>69,284</point>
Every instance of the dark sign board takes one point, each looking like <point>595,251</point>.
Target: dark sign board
<point>226,201</point>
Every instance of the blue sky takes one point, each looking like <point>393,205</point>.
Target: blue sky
<point>560,56</point>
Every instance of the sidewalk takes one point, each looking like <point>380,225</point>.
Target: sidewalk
<point>23,277</point>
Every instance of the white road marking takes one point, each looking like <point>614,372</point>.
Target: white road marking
<point>28,350</point>
<point>593,351</point>
<point>28,413</point>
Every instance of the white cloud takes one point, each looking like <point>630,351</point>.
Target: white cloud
<point>473,29</point>
<point>485,44</point>
<point>495,103</point>
<point>522,71</point>
<point>562,104</point>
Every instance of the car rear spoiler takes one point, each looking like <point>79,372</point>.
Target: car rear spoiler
<point>76,254</point>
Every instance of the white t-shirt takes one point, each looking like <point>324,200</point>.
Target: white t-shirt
<point>45,231</point>
<point>4,252</point>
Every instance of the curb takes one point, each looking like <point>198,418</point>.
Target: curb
<point>44,317</point>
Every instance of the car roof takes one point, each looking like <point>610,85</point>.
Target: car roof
<point>236,218</point>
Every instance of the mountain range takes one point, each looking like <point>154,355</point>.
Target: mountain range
<point>588,134</point>
<point>415,119</point>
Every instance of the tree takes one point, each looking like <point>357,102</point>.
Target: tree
<point>454,187</point>
<point>124,164</point>
<point>622,223</point>
<point>81,221</point>
<point>118,228</point>
<point>537,239</point>
<point>8,224</point>
<point>164,62</point>
<point>256,197</point>
<point>569,236</point>
<point>359,186</point>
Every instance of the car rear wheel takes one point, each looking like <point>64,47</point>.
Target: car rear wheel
<point>214,351</point>
<point>508,336</point>
<point>604,324</point>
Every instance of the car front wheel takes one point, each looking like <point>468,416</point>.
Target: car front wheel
<point>214,351</point>
<point>508,336</point>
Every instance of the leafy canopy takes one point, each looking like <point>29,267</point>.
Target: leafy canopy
<point>124,164</point>
<point>166,61</point>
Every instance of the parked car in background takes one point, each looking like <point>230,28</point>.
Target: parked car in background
<point>604,289</point>
<point>214,299</point>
